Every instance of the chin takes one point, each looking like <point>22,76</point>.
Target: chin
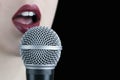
<point>12,51</point>
<point>15,53</point>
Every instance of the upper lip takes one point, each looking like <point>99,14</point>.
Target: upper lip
<point>26,17</point>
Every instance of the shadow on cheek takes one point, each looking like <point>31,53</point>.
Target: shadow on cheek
<point>8,52</point>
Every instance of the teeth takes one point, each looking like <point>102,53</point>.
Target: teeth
<point>31,13</point>
<point>27,13</point>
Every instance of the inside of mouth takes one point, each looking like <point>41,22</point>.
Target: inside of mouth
<point>26,19</point>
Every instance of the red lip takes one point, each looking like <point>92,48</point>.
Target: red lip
<point>24,22</point>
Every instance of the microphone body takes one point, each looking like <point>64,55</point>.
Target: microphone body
<point>40,49</point>
<point>36,74</point>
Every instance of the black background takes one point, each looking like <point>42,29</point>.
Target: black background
<point>74,22</point>
<point>65,25</point>
<point>82,27</point>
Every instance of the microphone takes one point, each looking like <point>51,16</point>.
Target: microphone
<point>40,49</point>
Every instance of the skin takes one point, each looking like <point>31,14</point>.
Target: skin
<point>11,65</point>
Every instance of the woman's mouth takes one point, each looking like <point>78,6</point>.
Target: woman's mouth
<point>26,17</point>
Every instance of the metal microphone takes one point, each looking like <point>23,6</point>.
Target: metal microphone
<point>40,49</point>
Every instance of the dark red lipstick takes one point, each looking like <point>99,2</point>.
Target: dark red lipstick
<point>26,17</point>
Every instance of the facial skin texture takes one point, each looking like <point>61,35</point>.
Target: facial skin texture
<point>10,36</point>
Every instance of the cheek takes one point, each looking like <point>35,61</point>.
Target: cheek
<point>48,13</point>
<point>8,42</point>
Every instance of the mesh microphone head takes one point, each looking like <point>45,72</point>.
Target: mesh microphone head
<point>40,48</point>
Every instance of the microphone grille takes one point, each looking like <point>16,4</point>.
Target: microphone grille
<point>42,36</point>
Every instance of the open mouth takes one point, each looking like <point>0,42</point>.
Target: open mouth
<point>26,17</point>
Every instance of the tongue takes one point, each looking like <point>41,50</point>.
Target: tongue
<point>23,20</point>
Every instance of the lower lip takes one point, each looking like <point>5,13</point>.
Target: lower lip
<point>24,27</point>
